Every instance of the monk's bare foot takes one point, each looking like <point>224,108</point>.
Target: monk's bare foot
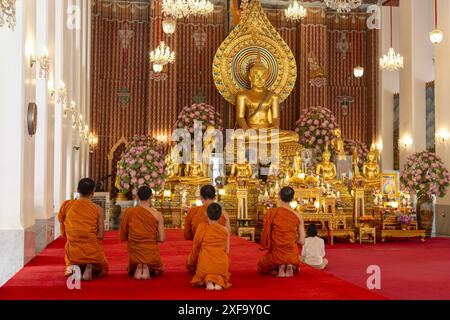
<point>210,286</point>
<point>282,271</point>
<point>217,287</point>
<point>138,273</point>
<point>87,275</point>
<point>146,273</point>
<point>289,271</point>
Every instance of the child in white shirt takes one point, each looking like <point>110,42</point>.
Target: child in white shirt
<point>313,251</point>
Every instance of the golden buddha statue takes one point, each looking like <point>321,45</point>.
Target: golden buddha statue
<point>371,169</point>
<point>355,162</point>
<point>326,168</point>
<point>259,108</point>
<point>193,173</point>
<point>338,142</point>
<point>242,170</point>
<point>174,169</point>
<point>298,164</point>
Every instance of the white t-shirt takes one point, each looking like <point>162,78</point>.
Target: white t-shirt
<point>313,251</point>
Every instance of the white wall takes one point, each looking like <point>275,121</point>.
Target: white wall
<point>39,172</point>
<point>443,89</point>
<point>416,21</point>
<point>390,84</point>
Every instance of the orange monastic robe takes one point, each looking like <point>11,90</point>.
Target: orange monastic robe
<point>210,249</point>
<point>194,218</point>
<point>279,236</point>
<point>140,228</point>
<point>79,225</point>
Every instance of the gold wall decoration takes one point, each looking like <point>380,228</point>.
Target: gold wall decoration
<point>254,36</point>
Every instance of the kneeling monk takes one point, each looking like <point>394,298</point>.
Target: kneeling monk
<point>211,249</point>
<point>283,231</point>
<point>82,224</point>
<point>143,227</point>
<point>198,215</point>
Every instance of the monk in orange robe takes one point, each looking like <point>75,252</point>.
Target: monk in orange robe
<point>282,232</point>
<point>198,215</point>
<point>211,250</point>
<point>82,224</point>
<point>143,227</point>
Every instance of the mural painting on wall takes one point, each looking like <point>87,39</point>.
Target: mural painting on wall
<point>430,118</point>
<point>317,77</point>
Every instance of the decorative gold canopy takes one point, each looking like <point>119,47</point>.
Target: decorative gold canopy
<point>254,36</point>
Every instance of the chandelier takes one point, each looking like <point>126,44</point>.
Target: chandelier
<point>295,11</point>
<point>8,13</point>
<point>161,56</point>
<point>343,6</point>
<point>391,61</point>
<point>179,9</point>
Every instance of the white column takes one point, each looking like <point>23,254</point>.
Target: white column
<point>60,159</point>
<point>390,84</point>
<point>416,20</point>
<point>44,140</point>
<point>442,94</point>
<point>17,89</point>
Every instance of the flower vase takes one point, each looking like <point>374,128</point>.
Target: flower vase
<point>122,196</point>
<point>425,215</point>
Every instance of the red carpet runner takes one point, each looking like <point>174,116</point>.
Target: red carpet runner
<point>43,278</point>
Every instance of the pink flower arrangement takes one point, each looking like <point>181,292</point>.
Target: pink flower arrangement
<point>404,219</point>
<point>143,140</point>
<point>425,175</point>
<point>199,112</point>
<point>142,164</point>
<point>316,128</point>
<point>363,151</point>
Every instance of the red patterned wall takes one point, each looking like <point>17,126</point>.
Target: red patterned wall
<point>109,120</point>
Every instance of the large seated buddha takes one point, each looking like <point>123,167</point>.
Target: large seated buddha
<point>259,108</point>
<point>255,70</point>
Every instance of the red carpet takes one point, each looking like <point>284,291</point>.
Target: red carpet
<point>43,279</point>
<point>409,269</point>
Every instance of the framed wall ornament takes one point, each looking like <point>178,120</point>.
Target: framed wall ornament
<point>32,116</point>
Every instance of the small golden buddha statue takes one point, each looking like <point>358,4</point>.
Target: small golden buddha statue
<point>259,108</point>
<point>326,168</point>
<point>338,142</point>
<point>174,169</point>
<point>209,143</point>
<point>355,162</point>
<point>371,169</point>
<point>193,172</point>
<point>298,164</point>
<point>242,170</point>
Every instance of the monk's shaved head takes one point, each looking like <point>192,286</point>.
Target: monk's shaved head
<point>208,192</point>
<point>214,211</point>
<point>86,187</point>
<point>144,193</point>
<point>287,194</point>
